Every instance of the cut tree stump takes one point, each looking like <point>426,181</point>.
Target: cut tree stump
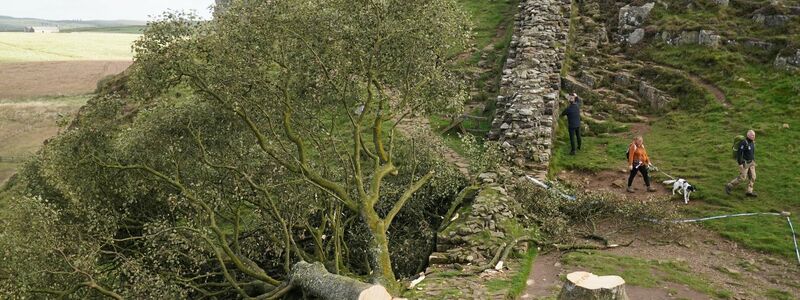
<point>587,286</point>
<point>315,280</point>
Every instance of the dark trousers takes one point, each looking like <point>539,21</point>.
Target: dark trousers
<point>573,133</point>
<point>643,170</point>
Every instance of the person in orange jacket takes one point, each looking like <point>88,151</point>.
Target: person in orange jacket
<point>638,161</point>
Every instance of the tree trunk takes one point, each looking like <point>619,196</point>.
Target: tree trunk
<point>380,258</point>
<point>315,280</point>
<point>587,286</point>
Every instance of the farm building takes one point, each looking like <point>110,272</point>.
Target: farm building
<point>41,29</point>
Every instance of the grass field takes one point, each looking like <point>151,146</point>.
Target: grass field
<point>696,144</point>
<point>44,79</point>
<point>22,47</point>
<point>25,124</point>
<point>135,29</point>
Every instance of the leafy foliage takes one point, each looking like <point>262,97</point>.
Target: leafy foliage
<point>236,147</point>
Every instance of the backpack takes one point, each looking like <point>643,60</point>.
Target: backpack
<point>628,152</point>
<point>737,140</point>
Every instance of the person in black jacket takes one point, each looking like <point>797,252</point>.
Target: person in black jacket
<point>746,157</point>
<point>573,113</point>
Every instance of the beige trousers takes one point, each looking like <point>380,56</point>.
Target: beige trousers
<point>746,172</point>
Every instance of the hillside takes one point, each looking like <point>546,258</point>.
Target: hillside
<point>172,170</point>
<point>18,24</point>
<point>689,76</point>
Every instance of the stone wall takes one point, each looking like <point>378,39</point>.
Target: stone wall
<point>528,106</point>
<point>474,235</point>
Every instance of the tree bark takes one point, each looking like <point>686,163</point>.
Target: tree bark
<point>587,286</point>
<point>315,280</point>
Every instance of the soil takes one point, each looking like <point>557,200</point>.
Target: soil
<point>616,182</point>
<point>55,78</point>
<point>706,253</point>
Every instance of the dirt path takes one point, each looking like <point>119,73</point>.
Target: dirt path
<point>56,78</point>
<point>705,84</point>
<point>747,274</point>
<point>616,182</point>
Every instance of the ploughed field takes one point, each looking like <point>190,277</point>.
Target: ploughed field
<point>44,80</point>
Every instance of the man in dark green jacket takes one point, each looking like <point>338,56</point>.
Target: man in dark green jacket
<point>746,157</point>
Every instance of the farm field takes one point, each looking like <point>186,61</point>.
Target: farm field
<point>20,47</point>
<point>56,78</point>
<point>44,80</point>
<point>25,125</point>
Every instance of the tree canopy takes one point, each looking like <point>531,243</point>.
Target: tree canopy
<point>236,147</point>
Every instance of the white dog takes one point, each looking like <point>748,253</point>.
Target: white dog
<point>683,187</point>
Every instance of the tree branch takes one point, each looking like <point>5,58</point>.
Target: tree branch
<point>406,195</point>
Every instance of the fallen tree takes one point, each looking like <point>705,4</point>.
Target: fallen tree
<point>318,282</point>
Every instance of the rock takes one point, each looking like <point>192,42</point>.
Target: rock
<point>588,79</point>
<point>619,183</point>
<point>636,36</point>
<point>708,38</point>
<point>655,98</point>
<point>634,16</point>
<point>438,258</point>
<point>487,177</point>
<point>771,20</point>
<point>721,2</point>
<point>688,37</point>
<point>732,271</point>
<point>788,62</point>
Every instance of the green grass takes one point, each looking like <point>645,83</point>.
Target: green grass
<point>519,281</point>
<point>515,285</point>
<point>134,29</point>
<point>779,295</point>
<point>696,144</point>
<point>644,273</point>
<point>22,47</point>
<point>487,17</point>
<point>600,152</point>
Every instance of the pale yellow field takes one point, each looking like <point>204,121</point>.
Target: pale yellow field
<point>22,47</point>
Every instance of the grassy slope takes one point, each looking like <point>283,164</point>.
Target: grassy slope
<point>493,27</point>
<point>18,47</point>
<point>694,143</point>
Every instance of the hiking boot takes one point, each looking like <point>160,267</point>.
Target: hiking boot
<point>751,194</point>
<point>572,152</point>
<point>651,189</point>
<point>728,188</point>
<point>630,190</point>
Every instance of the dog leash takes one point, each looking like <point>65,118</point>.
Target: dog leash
<point>662,172</point>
